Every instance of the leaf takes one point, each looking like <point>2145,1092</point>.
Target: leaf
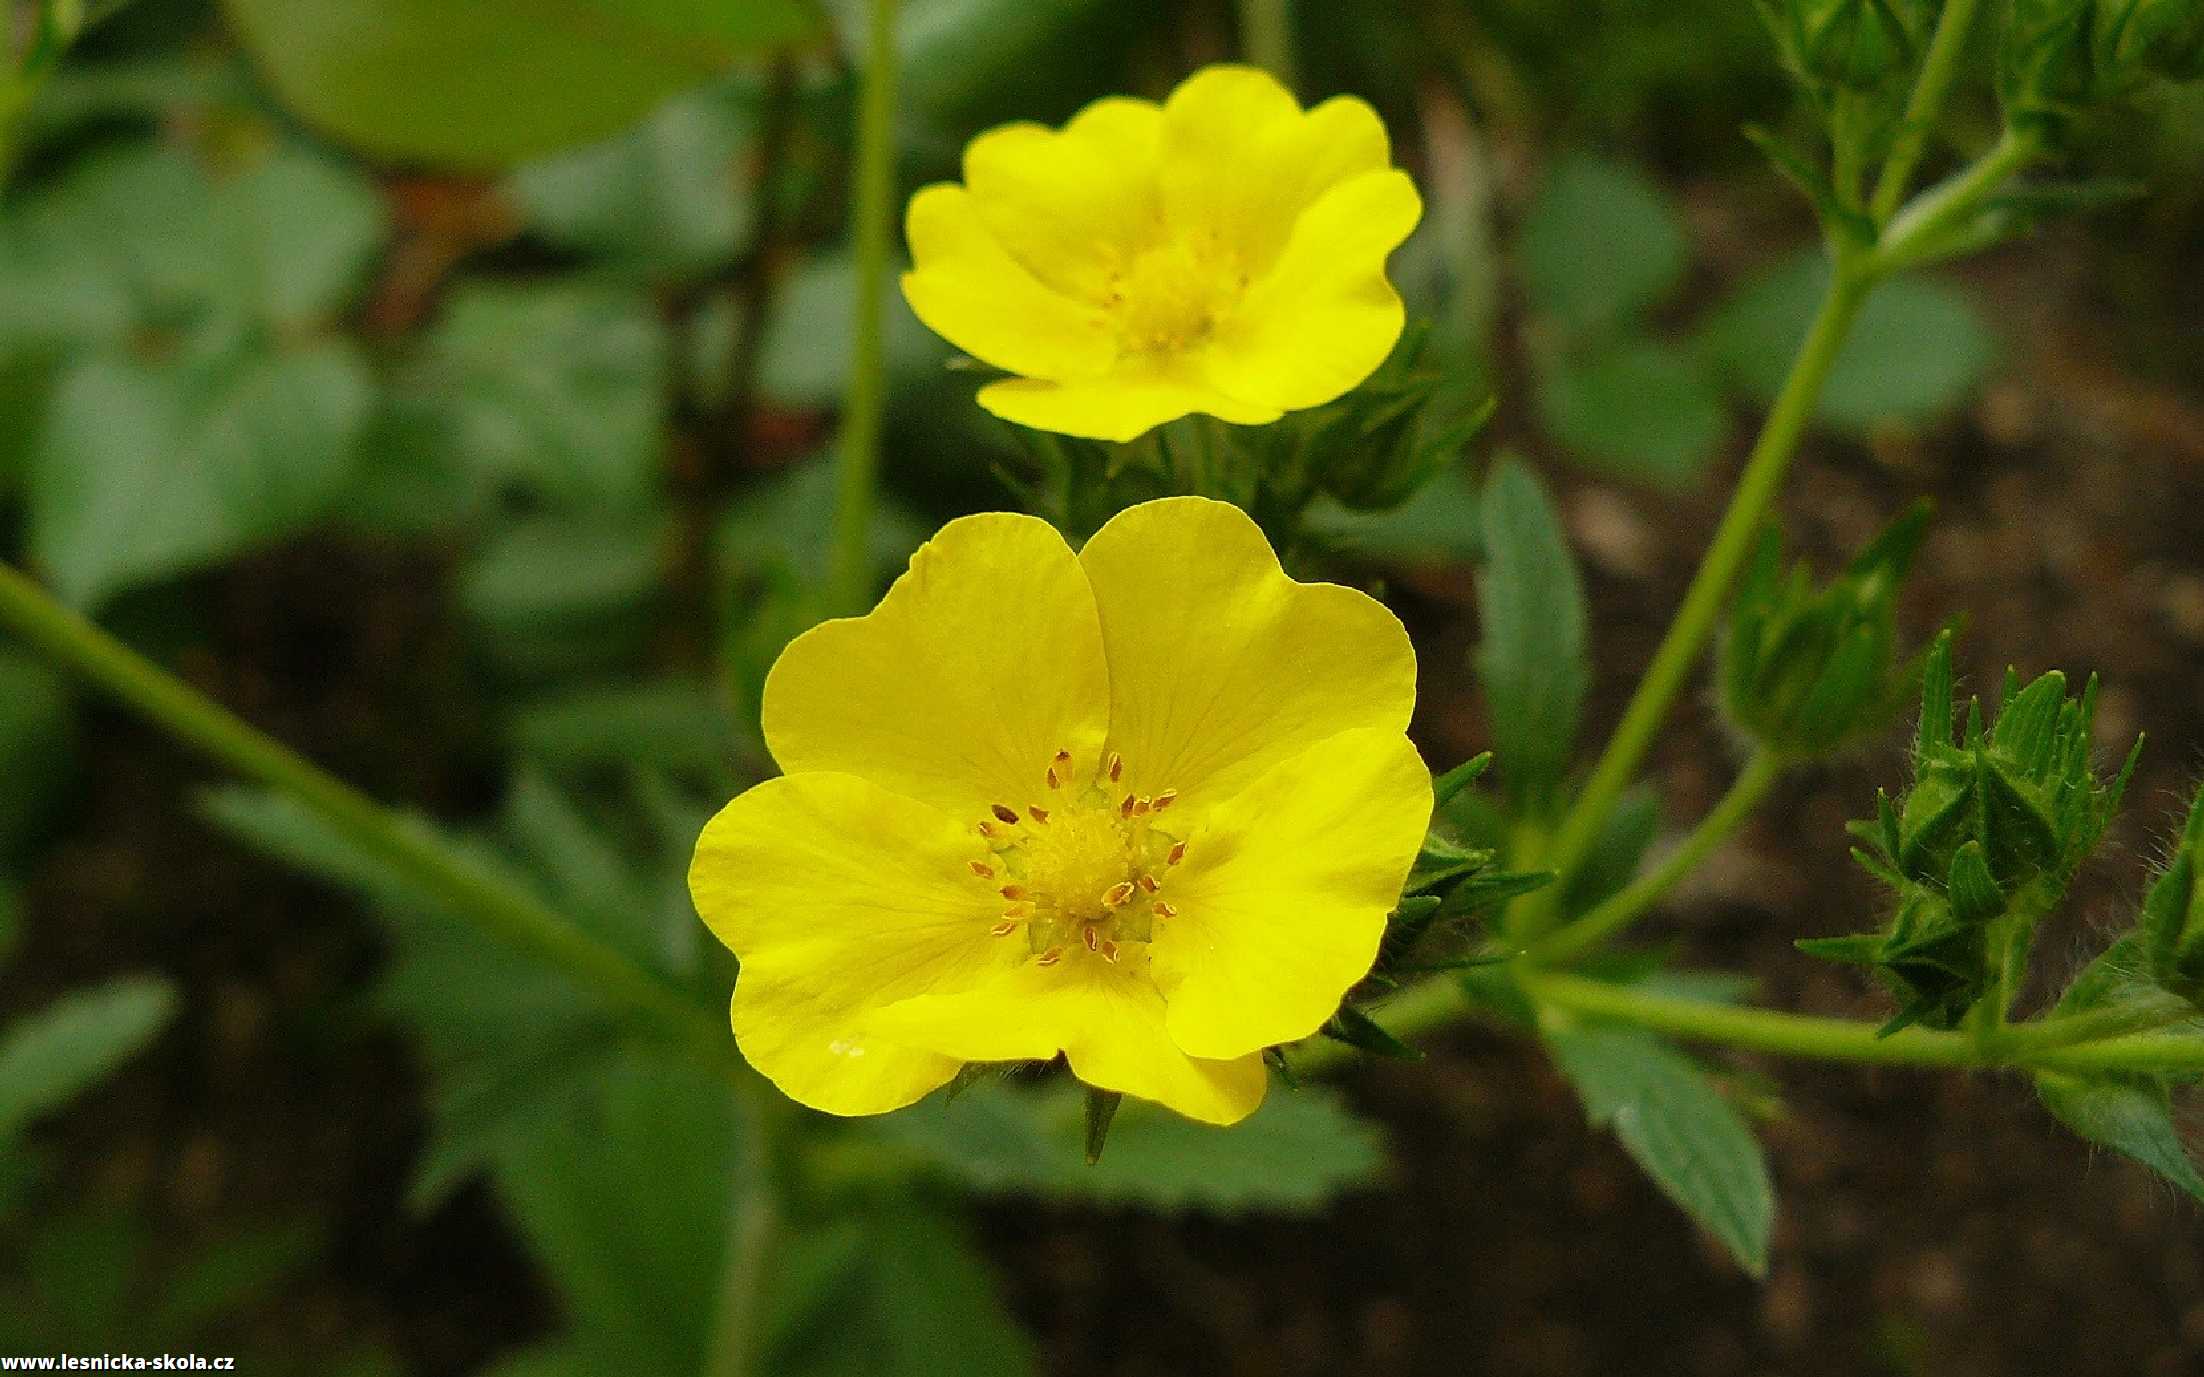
<point>660,724</point>
<point>2134,1118</point>
<point>1617,852</point>
<point>37,731</point>
<point>1438,522</point>
<point>302,231</point>
<point>148,470</point>
<point>560,593</point>
<point>49,1057</point>
<point>1533,659</point>
<point>1918,349</point>
<point>1696,1148</point>
<point>805,355</point>
<point>1292,1156</point>
<point>1600,243</point>
<point>1639,410</point>
<point>487,83</point>
<point>671,194</point>
<point>560,389</point>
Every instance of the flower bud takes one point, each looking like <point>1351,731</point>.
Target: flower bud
<point>1850,44</point>
<point>2161,38</point>
<point>2058,56</point>
<point>1805,671</point>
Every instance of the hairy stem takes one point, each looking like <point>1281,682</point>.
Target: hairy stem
<point>1938,70</point>
<point>865,398</point>
<point>1582,935</point>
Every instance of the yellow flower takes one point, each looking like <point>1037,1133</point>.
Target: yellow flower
<point>1223,252</point>
<point>1147,805</point>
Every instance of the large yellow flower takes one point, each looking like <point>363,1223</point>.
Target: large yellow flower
<point>1147,805</point>
<point>1223,252</point>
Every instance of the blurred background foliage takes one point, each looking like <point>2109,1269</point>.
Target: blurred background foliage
<point>471,383</point>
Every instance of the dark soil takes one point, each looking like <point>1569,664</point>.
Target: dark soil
<point>1929,1223</point>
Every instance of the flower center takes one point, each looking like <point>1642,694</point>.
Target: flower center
<point>1083,869</point>
<point>1167,298</point>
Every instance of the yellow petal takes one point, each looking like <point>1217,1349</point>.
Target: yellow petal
<point>1241,161</point>
<point>1285,890</point>
<point>1072,206</point>
<point>968,289</point>
<point>1113,408</point>
<point>1325,316</point>
<point>1220,665</point>
<point>840,897</point>
<point>1108,1020</point>
<point>982,662</point>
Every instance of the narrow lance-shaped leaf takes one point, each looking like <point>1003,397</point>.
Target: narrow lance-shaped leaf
<point>1534,659</point>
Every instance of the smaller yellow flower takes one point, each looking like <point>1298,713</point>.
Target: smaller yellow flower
<point>1147,806</point>
<point>1223,252</point>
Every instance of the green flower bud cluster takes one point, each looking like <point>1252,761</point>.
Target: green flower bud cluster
<point>1372,448</point>
<point>1985,843</point>
<point>2059,56</point>
<point>1805,671</point>
<point>1858,45</point>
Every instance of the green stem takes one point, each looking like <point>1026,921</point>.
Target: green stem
<point>1576,938</point>
<point>738,1337</point>
<point>409,851</point>
<point>1266,37</point>
<point>1917,231</point>
<point>864,406</point>
<point>1695,620</point>
<point>1938,70</point>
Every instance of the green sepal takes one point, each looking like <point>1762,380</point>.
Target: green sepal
<point>1447,786</point>
<point>1358,1030</point>
<point>1101,1109</point>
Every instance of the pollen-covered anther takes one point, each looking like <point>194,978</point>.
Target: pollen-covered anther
<point>1053,781</point>
<point>1109,952</point>
<point>1125,809</point>
<point>1119,895</point>
<point>1141,806</point>
<point>1003,928</point>
<point>1165,799</point>
<point>1117,766</point>
<point>1164,908</point>
<point>982,869</point>
<point>1012,892</point>
<point>1049,957</point>
<point>1150,883</point>
<point>1178,853</point>
<point>1039,815</point>
<point>1004,813</point>
<point>1092,936</point>
<point>987,829</point>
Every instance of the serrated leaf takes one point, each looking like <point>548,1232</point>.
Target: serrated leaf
<point>1533,659</point>
<point>1292,1156</point>
<point>50,1056</point>
<point>1600,242</point>
<point>487,83</point>
<point>2133,1118</point>
<point>1639,410</point>
<point>1695,1146</point>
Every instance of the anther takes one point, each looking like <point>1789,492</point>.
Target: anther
<point>1142,805</point>
<point>1053,781</point>
<point>1063,757</point>
<point>1049,957</point>
<point>1119,894</point>
<point>1013,892</point>
<point>1150,883</point>
<point>1017,911</point>
<point>1178,853</point>
<point>1003,928</point>
<point>1125,809</point>
<point>1093,938</point>
<point>1004,813</point>
<point>987,829</point>
<point>1117,766</point>
<point>1039,815</point>
<point>1164,909</point>
<point>1166,799</point>
<point>1109,952</point>
<point>982,869</point>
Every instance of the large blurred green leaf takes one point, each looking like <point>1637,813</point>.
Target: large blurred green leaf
<point>1690,1141</point>
<point>1639,410</point>
<point>1919,347</point>
<point>488,82</point>
<point>1296,1154</point>
<point>671,194</point>
<point>1533,659</point>
<point>1600,243</point>
<point>146,470</point>
<point>806,351</point>
<point>36,721</point>
<point>49,1057</point>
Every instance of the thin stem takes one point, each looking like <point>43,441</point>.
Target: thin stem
<point>1915,232</point>
<point>2093,1025</point>
<point>1695,620</point>
<point>865,398</point>
<point>738,1335</point>
<point>1576,938</point>
<point>1938,70</point>
<point>410,851</point>
<point>1266,37</point>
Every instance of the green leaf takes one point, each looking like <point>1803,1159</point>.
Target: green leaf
<point>302,232</point>
<point>2134,1118</point>
<point>1694,1145</point>
<point>662,724</point>
<point>1618,852</point>
<point>1439,522</point>
<point>1293,1156</point>
<point>37,730</point>
<point>494,81</point>
<point>805,355</point>
<point>671,195</point>
<point>559,593</point>
<point>560,389</point>
<point>1600,243</point>
<point>1639,410</point>
<point>1918,349</point>
<point>148,470</point>
<point>1533,660</point>
<point>49,1057</point>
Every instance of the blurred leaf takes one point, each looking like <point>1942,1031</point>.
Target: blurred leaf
<point>806,350</point>
<point>662,724</point>
<point>2132,1117</point>
<point>1293,1155</point>
<point>901,1292</point>
<point>1919,347</point>
<point>670,194</point>
<point>147,470</point>
<point>558,593</point>
<point>560,388</point>
<point>1599,243</point>
<point>36,745</point>
<point>1696,1147</point>
<point>302,231</point>
<point>1439,522</point>
<point>49,1057</point>
<point>11,926</point>
<point>1617,852</point>
<point>494,81</point>
<point>228,1274</point>
<point>1533,658</point>
<point>146,89</point>
<point>1639,410</point>
<point>776,525</point>
<point>81,1266</point>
